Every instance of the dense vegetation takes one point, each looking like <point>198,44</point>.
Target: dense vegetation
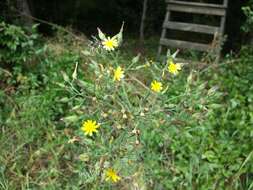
<point>107,114</point>
<point>194,133</point>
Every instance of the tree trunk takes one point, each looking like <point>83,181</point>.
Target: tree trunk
<point>25,12</point>
<point>76,12</point>
<point>143,18</point>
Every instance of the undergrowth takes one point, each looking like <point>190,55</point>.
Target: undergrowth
<point>193,133</point>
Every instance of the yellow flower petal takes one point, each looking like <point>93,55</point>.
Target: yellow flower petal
<point>112,175</point>
<point>89,127</point>
<point>118,74</point>
<point>156,86</point>
<point>110,44</point>
<point>174,68</point>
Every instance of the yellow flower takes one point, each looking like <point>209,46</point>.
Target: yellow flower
<point>156,86</point>
<point>89,127</point>
<point>110,44</point>
<point>174,68</point>
<point>118,74</point>
<point>112,175</point>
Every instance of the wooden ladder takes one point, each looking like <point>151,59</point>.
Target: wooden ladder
<point>196,8</point>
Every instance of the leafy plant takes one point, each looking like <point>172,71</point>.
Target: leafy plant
<point>17,46</point>
<point>248,12</point>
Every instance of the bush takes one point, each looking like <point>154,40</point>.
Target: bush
<point>17,45</point>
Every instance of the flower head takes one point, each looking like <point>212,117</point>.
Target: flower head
<point>174,68</point>
<point>89,127</point>
<point>110,44</point>
<point>156,86</point>
<point>112,175</point>
<point>118,74</point>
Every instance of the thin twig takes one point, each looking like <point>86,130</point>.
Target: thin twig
<point>138,81</point>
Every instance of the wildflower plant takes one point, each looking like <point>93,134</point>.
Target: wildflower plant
<point>174,68</point>
<point>89,127</point>
<point>115,121</point>
<point>110,44</point>
<point>118,74</point>
<point>115,92</point>
<point>156,86</point>
<point>112,175</point>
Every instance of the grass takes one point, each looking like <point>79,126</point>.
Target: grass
<point>195,135</point>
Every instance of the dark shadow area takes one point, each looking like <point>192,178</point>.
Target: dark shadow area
<point>86,16</point>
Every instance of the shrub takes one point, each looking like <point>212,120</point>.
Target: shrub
<point>17,45</point>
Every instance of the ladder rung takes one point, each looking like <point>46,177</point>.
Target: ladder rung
<point>209,5</point>
<point>184,44</point>
<point>191,27</point>
<point>189,7</point>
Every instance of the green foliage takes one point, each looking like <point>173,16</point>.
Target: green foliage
<point>233,121</point>
<point>196,134</point>
<point>248,12</point>
<point>17,46</point>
